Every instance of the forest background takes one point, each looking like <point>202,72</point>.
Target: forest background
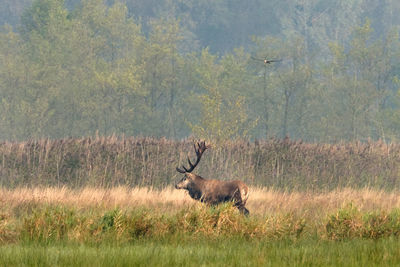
<point>176,68</point>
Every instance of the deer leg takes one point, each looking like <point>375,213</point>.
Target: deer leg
<point>242,209</point>
<point>246,212</point>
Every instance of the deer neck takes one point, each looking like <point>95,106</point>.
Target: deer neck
<point>196,190</point>
<point>199,181</point>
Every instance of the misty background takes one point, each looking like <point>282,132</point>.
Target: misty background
<point>179,68</point>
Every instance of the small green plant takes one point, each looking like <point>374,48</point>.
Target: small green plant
<point>7,232</point>
<point>344,224</point>
<point>108,220</point>
<point>381,224</point>
<point>51,223</point>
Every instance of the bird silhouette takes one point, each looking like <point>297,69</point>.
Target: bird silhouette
<point>266,60</point>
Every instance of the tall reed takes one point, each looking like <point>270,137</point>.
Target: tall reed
<point>129,161</point>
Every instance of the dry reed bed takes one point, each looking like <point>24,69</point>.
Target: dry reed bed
<point>261,202</point>
<point>283,164</point>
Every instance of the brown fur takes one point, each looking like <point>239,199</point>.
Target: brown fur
<point>214,191</point>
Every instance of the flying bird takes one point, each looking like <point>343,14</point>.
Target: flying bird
<point>266,60</point>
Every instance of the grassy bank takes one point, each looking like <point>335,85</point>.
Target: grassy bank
<point>282,164</point>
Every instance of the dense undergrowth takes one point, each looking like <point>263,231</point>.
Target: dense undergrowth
<point>60,223</point>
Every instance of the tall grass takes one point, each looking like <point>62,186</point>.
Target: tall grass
<point>125,215</point>
<point>284,164</point>
<point>262,201</point>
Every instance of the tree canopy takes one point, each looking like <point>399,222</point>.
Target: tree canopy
<point>177,68</point>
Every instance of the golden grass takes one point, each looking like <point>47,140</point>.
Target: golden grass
<point>123,213</point>
<point>262,201</point>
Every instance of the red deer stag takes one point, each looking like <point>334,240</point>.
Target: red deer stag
<point>212,191</point>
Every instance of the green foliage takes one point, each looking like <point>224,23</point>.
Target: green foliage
<point>81,68</point>
<point>223,106</point>
<point>61,224</point>
<point>90,70</point>
<point>350,222</point>
<point>49,224</point>
<point>109,219</point>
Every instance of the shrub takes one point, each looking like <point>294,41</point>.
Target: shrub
<point>350,222</point>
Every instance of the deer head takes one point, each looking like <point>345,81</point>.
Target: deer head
<point>189,178</point>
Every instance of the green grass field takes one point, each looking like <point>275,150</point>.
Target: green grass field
<point>222,252</point>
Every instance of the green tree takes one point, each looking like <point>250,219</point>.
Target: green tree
<point>12,80</point>
<point>285,88</point>
<point>117,72</point>
<point>359,82</point>
<point>223,104</point>
<point>162,66</point>
<point>39,56</point>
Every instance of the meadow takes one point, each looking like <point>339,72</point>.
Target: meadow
<point>51,215</point>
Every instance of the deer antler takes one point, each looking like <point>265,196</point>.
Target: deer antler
<point>201,147</point>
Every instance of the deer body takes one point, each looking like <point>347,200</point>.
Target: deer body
<point>212,191</point>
